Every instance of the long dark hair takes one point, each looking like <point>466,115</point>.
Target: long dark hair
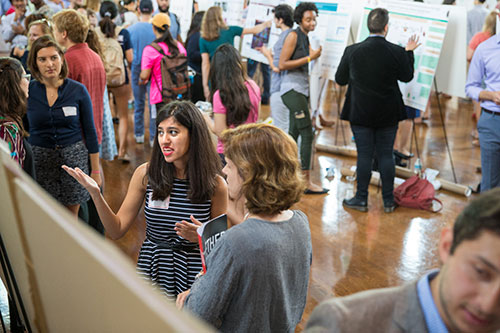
<point>108,12</point>
<point>203,161</point>
<point>167,38</point>
<point>13,100</point>
<point>195,25</point>
<point>227,76</point>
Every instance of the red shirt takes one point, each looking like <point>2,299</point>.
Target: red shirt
<point>86,67</point>
<point>478,39</point>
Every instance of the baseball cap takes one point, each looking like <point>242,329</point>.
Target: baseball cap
<point>146,6</point>
<point>160,20</point>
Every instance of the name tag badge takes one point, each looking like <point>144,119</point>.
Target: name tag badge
<point>159,204</point>
<point>69,111</point>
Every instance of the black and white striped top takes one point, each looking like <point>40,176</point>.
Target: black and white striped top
<point>168,260</point>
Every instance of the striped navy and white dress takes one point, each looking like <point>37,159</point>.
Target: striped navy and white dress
<point>169,261</point>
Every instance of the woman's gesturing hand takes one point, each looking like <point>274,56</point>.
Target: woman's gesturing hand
<point>188,230</point>
<point>85,180</point>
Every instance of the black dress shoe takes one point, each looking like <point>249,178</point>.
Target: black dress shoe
<point>355,203</point>
<point>403,156</point>
<point>389,206</point>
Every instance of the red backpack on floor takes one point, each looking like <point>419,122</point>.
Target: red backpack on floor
<point>418,193</point>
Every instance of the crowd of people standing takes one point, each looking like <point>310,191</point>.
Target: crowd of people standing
<point>69,68</point>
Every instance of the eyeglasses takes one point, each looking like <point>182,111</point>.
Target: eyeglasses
<point>26,76</point>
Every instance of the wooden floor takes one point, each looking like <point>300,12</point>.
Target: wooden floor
<point>354,251</point>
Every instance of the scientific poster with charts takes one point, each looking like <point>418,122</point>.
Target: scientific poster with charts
<point>232,11</point>
<point>429,23</point>
<point>261,11</point>
<point>184,11</point>
<point>332,33</point>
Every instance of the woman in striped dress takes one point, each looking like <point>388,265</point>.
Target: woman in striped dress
<point>181,182</point>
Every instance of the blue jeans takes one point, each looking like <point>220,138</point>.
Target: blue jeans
<point>140,92</point>
<point>488,128</point>
<point>379,141</point>
<point>266,76</point>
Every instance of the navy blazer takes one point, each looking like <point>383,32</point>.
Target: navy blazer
<point>372,69</point>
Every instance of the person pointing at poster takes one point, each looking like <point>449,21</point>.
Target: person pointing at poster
<point>373,103</point>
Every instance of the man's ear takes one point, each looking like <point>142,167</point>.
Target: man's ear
<point>445,244</point>
<point>65,34</point>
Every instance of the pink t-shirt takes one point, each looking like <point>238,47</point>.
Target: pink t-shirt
<point>253,94</point>
<point>152,59</point>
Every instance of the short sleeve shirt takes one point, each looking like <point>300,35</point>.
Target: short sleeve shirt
<point>226,36</point>
<point>253,94</point>
<point>151,59</point>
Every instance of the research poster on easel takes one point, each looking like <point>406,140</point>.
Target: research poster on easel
<point>261,11</point>
<point>184,11</point>
<point>429,23</point>
<point>332,33</point>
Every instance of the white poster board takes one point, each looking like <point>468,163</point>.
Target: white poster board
<point>451,73</point>
<point>261,11</point>
<point>429,23</point>
<point>332,32</point>
<point>184,11</point>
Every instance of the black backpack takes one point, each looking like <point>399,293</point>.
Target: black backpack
<point>175,80</point>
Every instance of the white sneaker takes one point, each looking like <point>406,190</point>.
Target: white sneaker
<point>139,138</point>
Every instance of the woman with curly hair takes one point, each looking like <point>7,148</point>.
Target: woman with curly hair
<point>257,273</point>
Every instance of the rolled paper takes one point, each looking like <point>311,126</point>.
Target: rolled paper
<point>339,150</point>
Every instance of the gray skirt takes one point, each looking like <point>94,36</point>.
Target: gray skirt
<point>52,178</point>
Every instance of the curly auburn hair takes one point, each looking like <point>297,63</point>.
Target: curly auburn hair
<point>266,159</point>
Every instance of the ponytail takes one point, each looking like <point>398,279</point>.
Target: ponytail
<point>107,26</point>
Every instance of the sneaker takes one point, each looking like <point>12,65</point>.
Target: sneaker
<point>139,138</point>
<point>389,206</point>
<point>355,203</point>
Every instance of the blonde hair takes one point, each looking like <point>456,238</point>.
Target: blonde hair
<point>266,159</point>
<point>490,23</point>
<point>75,24</point>
<point>212,23</point>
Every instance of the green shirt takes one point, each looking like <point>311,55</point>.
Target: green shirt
<point>226,36</point>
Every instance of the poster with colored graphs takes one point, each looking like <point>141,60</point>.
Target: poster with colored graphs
<point>332,33</point>
<point>429,23</point>
<point>184,11</point>
<point>261,11</point>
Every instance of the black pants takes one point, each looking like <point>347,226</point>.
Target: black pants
<point>379,141</point>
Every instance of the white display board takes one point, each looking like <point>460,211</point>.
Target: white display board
<point>332,33</point>
<point>261,11</point>
<point>451,74</point>
<point>429,23</point>
<point>184,11</point>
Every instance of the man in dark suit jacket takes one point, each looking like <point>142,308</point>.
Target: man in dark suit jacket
<point>373,103</point>
<point>463,296</point>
